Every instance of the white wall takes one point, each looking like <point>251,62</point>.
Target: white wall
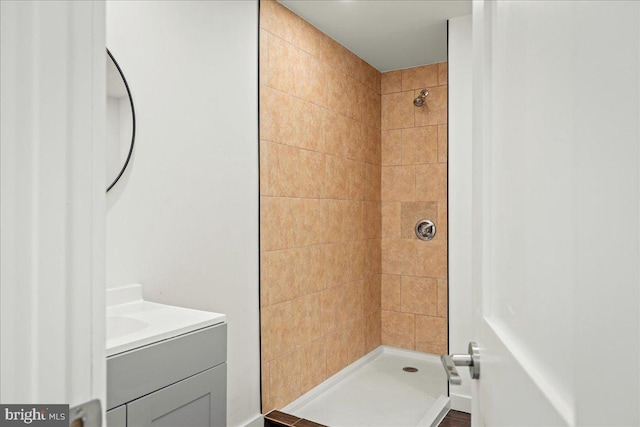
<point>183,221</point>
<point>460,306</point>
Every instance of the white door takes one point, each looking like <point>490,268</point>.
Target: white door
<point>556,215</point>
<point>52,207</point>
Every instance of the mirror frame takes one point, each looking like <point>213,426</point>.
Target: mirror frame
<point>133,117</point>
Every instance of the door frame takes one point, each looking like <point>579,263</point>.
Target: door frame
<point>52,210</point>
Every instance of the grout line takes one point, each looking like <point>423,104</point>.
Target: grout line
<point>272,34</point>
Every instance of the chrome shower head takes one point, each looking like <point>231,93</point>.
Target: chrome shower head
<point>420,100</point>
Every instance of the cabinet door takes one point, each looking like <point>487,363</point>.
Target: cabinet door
<point>198,401</point>
<point>117,417</point>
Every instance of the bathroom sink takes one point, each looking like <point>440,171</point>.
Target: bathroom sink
<point>119,326</point>
<point>133,322</point>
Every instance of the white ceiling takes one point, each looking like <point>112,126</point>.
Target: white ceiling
<point>388,34</point>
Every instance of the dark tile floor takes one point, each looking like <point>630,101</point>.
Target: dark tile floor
<point>456,419</point>
<point>280,419</point>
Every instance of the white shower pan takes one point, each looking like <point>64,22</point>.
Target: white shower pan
<point>376,391</point>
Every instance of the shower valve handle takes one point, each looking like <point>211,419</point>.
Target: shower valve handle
<point>472,360</point>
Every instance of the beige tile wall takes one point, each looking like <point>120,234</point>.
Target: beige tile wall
<point>320,206</point>
<point>414,186</point>
<point>347,167</point>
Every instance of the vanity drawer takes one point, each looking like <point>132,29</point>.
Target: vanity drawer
<point>141,371</point>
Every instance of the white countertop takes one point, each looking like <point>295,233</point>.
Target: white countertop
<point>133,322</point>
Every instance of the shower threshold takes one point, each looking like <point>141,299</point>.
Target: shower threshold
<point>376,391</point>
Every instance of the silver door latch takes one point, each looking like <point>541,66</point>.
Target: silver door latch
<point>472,360</point>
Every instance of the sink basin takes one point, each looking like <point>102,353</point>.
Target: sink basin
<point>119,326</point>
<point>133,322</point>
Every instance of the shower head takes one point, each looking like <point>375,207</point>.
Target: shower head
<point>420,100</point>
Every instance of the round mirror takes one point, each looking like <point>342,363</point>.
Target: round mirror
<point>121,122</point>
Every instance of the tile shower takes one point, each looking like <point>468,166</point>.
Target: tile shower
<point>347,167</point>
<point>414,186</point>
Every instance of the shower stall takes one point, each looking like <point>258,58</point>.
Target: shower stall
<point>353,231</point>
<point>387,387</point>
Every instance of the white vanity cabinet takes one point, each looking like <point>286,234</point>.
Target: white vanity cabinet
<point>180,381</point>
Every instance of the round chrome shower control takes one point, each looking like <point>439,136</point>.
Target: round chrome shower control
<point>425,229</point>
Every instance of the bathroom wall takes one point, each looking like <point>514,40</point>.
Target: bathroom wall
<point>183,221</point>
<point>320,206</point>
<point>414,186</point>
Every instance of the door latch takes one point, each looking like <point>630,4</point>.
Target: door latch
<point>472,360</point>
